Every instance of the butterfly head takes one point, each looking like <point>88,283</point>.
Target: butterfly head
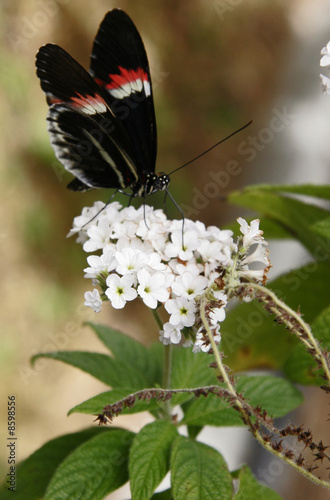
<point>151,184</point>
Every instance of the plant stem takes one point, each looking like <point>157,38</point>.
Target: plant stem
<point>167,364</point>
<point>157,318</point>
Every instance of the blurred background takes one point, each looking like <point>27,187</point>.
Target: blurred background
<point>215,65</point>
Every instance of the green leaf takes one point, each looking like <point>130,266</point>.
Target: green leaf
<point>299,218</point>
<point>198,472</point>
<point>36,471</point>
<point>95,405</point>
<point>211,410</point>
<point>94,469</point>
<point>129,351</point>
<point>250,489</point>
<point>149,458</point>
<point>322,228</point>
<point>300,365</point>
<point>156,352</point>
<point>194,430</point>
<point>190,370</point>
<point>163,495</point>
<point>110,371</point>
<point>249,337</point>
<point>275,395</point>
<point>321,328</point>
<point>313,190</point>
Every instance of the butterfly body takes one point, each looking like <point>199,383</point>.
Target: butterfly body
<point>102,123</point>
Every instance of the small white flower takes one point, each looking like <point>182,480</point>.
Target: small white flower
<point>222,235</point>
<point>325,83</point>
<point>182,311</point>
<point>199,343</point>
<point>154,261</point>
<point>189,285</point>
<point>99,236</point>
<point>136,244</point>
<point>98,264</point>
<point>93,300</point>
<point>130,260</point>
<point>219,295</point>
<point>211,251</point>
<point>164,340</point>
<point>87,215</point>
<point>172,333</point>
<point>187,343</point>
<point>217,315</point>
<point>124,229</point>
<point>152,287</point>
<point>120,290</point>
<point>192,266</point>
<point>259,255</point>
<point>185,252</point>
<point>202,344</point>
<point>325,52</point>
<point>251,233</point>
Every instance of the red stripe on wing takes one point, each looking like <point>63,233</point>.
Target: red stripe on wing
<point>89,103</point>
<point>125,76</point>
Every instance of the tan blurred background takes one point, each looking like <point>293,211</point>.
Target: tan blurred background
<point>215,65</point>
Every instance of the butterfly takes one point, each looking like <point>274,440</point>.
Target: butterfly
<point>102,123</point>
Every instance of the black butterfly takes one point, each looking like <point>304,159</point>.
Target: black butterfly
<point>102,124</point>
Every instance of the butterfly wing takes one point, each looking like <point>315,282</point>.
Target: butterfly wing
<point>119,65</point>
<point>87,137</point>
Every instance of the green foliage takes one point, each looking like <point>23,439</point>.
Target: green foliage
<point>250,489</point>
<point>306,222</point>
<point>94,469</point>
<point>275,395</point>
<point>300,366</point>
<point>150,458</point>
<point>199,472</point>
<point>37,470</point>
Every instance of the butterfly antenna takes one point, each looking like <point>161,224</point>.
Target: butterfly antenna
<point>212,147</point>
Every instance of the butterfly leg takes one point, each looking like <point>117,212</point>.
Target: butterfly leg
<point>180,210</point>
<point>144,208</point>
<point>98,213</point>
<point>164,202</point>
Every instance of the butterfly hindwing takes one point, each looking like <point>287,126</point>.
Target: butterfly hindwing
<point>87,137</point>
<point>119,64</point>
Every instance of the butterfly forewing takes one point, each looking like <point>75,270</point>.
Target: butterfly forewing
<point>87,137</point>
<point>120,66</point>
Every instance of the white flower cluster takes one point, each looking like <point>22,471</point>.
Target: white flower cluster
<point>142,254</point>
<point>325,63</point>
